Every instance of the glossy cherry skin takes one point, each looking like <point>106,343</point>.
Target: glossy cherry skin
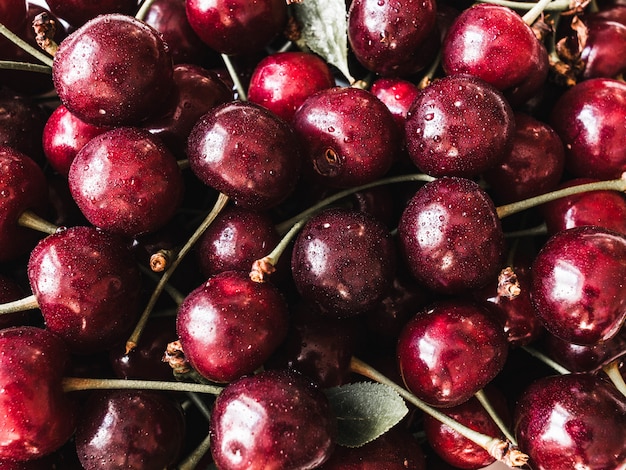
<point>605,46</point>
<point>493,43</point>
<point>343,260</point>
<point>13,14</point>
<point>601,208</point>
<point>38,416</point>
<point>78,12</point>
<point>281,82</point>
<point>237,26</point>
<point>589,119</point>
<point>275,419</point>
<point>449,351</point>
<point>451,236</point>
<point>349,136</point>
<point>584,358</point>
<point>129,429</point>
<point>63,136</point>
<point>87,287</point>
<point>386,36</point>
<point>577,286</point>
<point>114,70</point>
<point>126,181</point>
<point>23,187</point>
<point>533,165</point>
<point>398,95</point>
<point>247,153</point>
<point>230,325</point>
<point>572,421</point>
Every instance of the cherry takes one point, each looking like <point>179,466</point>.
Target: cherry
<point>344,261</point>
<point>281,82</point>
<point>398,95</point>
<point>13,14</point>
<point>604,49</point>
<point>237,26</point>
<point>129,429</point>
<point>126,181</point>
<point>449,351</point>
<point>114,70</point>
<point>274,419</point>
<point>573,420</point>
<point>230,325</point>
<point>583,358</point>
<point>87,286</point>
<point>78,12</point>
<point>247,153</point>
<point>451,236</point>
<point>63,136</point>
<point>386,36</point>
<point>39,417</point>
<point>576,288</point>
<point>349,136</point>
<point>459,126</point>
<point>589,119</point>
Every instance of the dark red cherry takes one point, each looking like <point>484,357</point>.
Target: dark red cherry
<point>451,236</point>
<point>87,286</point>
<point>129,429</point>
<point>275,419</point>
<point>247,153</point>
<point>449,351</point>
<point>230,325</point>
<point>387,36</point>
<point>23,187</point>
<point>604,49</point>
<point>281,82</point>
<point>237,26</point>
<point>114,70</point>
<point>533,166</point>
<point>398,95</point>
<point>63,136</point>
<point>78,12</point>
<point>572,421</point>
<point>581,357</point>
<point>349,136</point>
<point>343,260</point>
<point>589,119</point>
<point>601,208</point>
<point>126,181</point>
<point>13,14</point>
<point>576,284</point>
<point>38,417</point>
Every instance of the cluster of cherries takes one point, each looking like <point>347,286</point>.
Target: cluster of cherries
<point>193,198</point>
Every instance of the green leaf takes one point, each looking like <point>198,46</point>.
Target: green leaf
<point>365,411</point>
<point>324,30</point>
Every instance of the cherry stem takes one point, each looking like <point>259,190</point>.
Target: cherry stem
<point>21,305</point>
<point>19,42</point>
<point>193,460</point>
<point>31,220</point>
<point>162,259</point>
<point>540,229</point>
<point>535,12</point>
<point>45,28</point>
<point>235,78</point>
<point>24,66</point>
<point>143,9</point>
<point>176,295</point>
<point>555,5</point>
<point>486,404</point>
<point>515,207</point>
<point>132,341</point>
<point>612,370</point>
<point>546,360</point>
<point>76,384</point>
<point>501,450</point>
<point>430,73</point>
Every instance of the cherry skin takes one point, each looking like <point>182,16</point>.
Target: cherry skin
<point>344,261</point>
<point>584,358</point>
<point>247,153</point>
<point>605,46</point>
<point>126,181</point>
<point>38,416</point>
<point>230,325</point>
<point>576,284</point>
<point>275,419</point>
<point>574,420</point>
<point>87,286</point>
<point>13,14</point>
<point>449,351</point>
<point>349,137</point>
<point>114,70</point>
<point>237,26</point>
<point>129,429</point>
<point>78,12</point>
<point>282,81</point>
<point>398,95</point>
<point>451,236</point>
<point>589,119</point>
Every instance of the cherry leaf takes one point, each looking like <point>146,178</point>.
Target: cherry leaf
<point>365,411</point>
<point>324,30</point>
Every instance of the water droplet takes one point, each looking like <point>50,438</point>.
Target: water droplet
<point>429,116</point>
<point>331,129</point>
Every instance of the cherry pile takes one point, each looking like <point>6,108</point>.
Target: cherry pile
<point>377,234</point>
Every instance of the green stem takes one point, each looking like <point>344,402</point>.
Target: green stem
<point>484,401</point>
<point>540,229</point>
<point>192,461</point>
<point>546,360</point>
<point>535,12</point>
<point>32,221</point>
<point>612,370</point>
<point>235,78</point>
<point>76,384</point>
<point>143,9</point>
<point>21,305</point>
<point>555,5</point>
<point>36,53</point>
<point>25,67</point>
